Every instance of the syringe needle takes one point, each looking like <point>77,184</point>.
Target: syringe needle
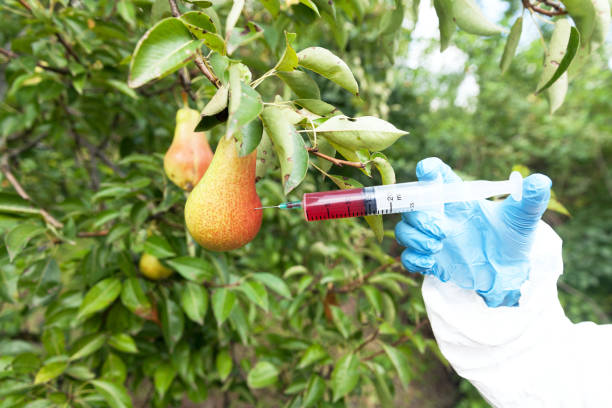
<point>270,206</point>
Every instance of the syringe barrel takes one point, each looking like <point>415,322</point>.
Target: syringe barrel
<point>325,205</point>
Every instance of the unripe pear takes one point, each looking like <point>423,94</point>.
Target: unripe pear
<point>189,154</point>
<point>150,267</point>
<point>220,211</point>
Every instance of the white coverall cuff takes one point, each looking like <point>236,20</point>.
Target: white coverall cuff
<point>461,317</point>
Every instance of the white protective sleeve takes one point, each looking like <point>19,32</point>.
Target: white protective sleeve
<point>525,356</point>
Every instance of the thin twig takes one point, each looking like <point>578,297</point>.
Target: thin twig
<point>367,341</point>
<point>68,48</point>
<point>205,69</point>
<point>4,165</point>
<point>550,13</point>
<point>16,152</point>
<point>91,234</point>
<point>337,162</point>
<point>26,5</point>
<point>351,286</point>
<point>174,8</point>
<point>199,61</point>
<point>11,55</point>
<point>93,150</point>
<point>186,83</point>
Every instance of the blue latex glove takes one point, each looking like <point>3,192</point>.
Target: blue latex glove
<point>481,245</point>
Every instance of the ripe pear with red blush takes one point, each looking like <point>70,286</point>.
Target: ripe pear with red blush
<point>189,155</point>
<point>220,211</point>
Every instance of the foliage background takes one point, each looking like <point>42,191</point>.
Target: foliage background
<point>88,149</point>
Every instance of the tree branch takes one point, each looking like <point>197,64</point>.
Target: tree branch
<point>550,13</point>
<point>186,83</point>
<point>207,71</point>
<point>16,152</point>
<point>68,48</point>
<point>337,162</point>
<point>351,286</point>
<point>6,170</point>
<point>367,341</point>
<point>11,55</point>
<point>93,150</point>
<point>174,8</point>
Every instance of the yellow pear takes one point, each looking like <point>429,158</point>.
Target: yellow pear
<point>153,269</point>
<point>220,211</point>
<point>189,154</point>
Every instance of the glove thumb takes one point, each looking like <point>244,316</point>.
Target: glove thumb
<point>523,216</point>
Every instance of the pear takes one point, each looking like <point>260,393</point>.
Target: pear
<point>220,211</point>
<point>150,267</point>
<point>189,154</point>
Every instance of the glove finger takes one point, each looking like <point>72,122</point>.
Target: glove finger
<point>431,168</point>
<point>523,216</point>
<point>412,238</point>
<point>417,262</point>
<point>428,170</point>
<point>425,223</point>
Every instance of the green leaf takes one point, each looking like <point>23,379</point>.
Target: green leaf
<point>224,364</point>
<point>159,247</point>
<point>555,51</point>
<point>328,65</point>
<point>194,301</point>
<point>273,282</point>
<point>289,59</point>
<point>217,103</point>
<point>232,17</point>
<point>114,394</point>
<point>24,363</point>
<point>301,84</point>
<point>80,372</point>
<point>126,10</point>
<point>53,341</point>
<point>392,20</point>
<point>288,145</point>
<point>314,391</point>
<point>123,342</point>
<point>193,269</point>
<point>114,369</point>
<point>384,167</point>
<point>198,22</point>
<point>374,298</point>
<point>173,323</point>
<point>18,237</point>
<point>511,44</point>
<point>42,283</point>
<point>592,18</point>
<point>223,301</point>
<point>163,377</point>
<point>134,298</point>
<point>122,87</point>
<point>162,50</point>
<point>243,36</point>
<point>262,375</point>
<point>468,16</point>
<point>555,205</point>
<point>446,23</point>
<point>53,367</point>
<point>249,107</point>
<point>400,362</point>
<point>342,322</point>
<point>312,354</point>
<point>256,293</point>
<point>251,134</point>
<point>345,376</point>
<point>99,297</point>
<point>365,132</point>
<point>9,279</point>
<point>310,5</point>
<point>87,345</point>
<point>317,106</point>
<point>13,204</point>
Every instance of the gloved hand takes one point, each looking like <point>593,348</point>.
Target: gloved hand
<point>481,245</point>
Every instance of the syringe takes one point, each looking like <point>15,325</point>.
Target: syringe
<point>397,198</point>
